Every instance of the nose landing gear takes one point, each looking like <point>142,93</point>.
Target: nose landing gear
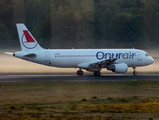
<point>134,73</point>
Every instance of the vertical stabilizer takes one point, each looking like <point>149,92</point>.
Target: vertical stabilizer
<point>27,41</point>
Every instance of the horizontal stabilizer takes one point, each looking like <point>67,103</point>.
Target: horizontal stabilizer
<point>31,55</point>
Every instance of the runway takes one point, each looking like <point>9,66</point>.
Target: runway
<point>74,77</point>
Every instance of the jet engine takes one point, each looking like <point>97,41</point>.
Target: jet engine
<point>118,68</point>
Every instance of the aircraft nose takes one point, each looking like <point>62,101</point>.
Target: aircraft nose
<point>151,60</point>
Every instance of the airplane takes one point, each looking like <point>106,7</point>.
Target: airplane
<point>92,60</point>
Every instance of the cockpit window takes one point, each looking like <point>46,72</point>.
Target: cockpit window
<point>146,55</point>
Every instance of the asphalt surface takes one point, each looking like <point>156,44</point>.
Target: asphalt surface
<point>74,77</point>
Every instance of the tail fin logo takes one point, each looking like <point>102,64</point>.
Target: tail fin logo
<point>28,41</point>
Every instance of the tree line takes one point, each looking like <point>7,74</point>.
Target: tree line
<point>82,23</point>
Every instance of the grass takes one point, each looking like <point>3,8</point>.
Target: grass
<point>60,100</point>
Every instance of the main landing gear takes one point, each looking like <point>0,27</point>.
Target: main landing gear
<point>79,72</point>
<point>135,73</point>
<point>96,73</point>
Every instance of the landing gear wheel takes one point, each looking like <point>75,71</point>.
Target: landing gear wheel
<point>79,72</point>
<point>135,73</point>
<point>97,73</point>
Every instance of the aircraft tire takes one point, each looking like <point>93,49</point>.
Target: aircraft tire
<point>97,73</point>
<point>135,73</point>
<point>79,72</point>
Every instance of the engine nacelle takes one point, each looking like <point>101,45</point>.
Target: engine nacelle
<point>118,68</point>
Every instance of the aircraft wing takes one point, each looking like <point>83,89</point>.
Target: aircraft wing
<point>96,64</point>
<point>102,63</point>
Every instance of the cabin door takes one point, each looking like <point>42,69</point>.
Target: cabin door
<point>47,56</point>
<point>139,56</point>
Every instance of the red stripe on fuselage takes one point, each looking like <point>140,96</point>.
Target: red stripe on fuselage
<point>28,36</point>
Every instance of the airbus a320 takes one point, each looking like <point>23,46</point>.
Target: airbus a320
<point>93,60</point>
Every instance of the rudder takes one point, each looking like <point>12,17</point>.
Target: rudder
<point>27,41</point>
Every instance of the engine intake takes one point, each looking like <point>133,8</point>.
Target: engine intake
<point>118,68</point>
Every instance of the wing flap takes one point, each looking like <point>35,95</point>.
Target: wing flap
<point>103,63</point>
<point>96,64</point>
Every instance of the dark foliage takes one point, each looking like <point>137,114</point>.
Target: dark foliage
<point>82,23</point>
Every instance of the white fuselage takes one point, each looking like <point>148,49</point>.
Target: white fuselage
<point>93,60</point>
<point>68,58</point>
